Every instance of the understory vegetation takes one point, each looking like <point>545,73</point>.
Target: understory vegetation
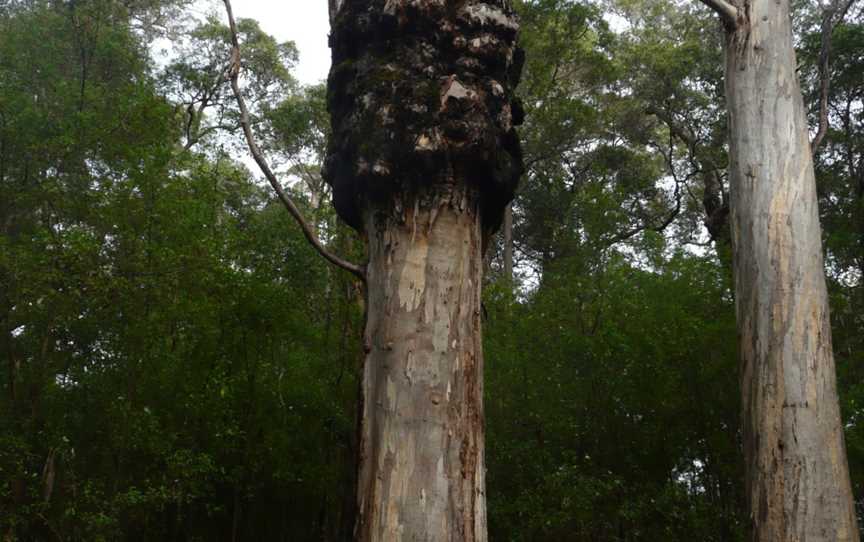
<point>176,363</point>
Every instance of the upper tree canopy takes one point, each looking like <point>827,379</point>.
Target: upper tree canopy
<point>420,94</point>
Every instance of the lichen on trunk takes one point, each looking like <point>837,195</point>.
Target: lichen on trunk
<point>423,159</point>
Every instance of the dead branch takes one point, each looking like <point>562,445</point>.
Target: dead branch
<point>233,75</point>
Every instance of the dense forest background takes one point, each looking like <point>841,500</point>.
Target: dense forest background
<point>176,363</point>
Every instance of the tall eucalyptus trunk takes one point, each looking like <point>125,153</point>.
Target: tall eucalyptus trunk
<point>797,477</point>
<point>423,160</point>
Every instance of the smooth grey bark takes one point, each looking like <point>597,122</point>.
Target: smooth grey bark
<point>797,477</point>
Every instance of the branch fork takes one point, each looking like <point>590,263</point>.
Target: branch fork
<point>726,11</point>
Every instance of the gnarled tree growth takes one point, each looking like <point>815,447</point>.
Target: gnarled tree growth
<point>423,160</point>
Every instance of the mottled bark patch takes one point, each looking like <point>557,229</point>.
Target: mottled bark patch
<point>421,474</point>
<point>797,482</point>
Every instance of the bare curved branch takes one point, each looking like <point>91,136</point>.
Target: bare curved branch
<point>831,17</point>
<point>233,74</point>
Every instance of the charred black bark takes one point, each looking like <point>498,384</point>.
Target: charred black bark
<point>420,94</point>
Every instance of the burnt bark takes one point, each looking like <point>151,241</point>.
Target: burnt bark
<point>797,477</point>
<point>423,160</point>
<point>420,94</point>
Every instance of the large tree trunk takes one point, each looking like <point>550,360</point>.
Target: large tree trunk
<point>797,478</point>
<point>423,160</point>
<point>422,466</point>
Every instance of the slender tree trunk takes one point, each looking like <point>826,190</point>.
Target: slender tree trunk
<point>716,207</point>
<point>859,193</point>
<point>422,464</point>
<point>797,478</point>
<point>508,242</point>
<point>235,513</point>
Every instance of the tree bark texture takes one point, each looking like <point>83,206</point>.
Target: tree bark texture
<point>423,160</point>
<point>797,478</point>
<point>422,465</point>
<point>420,93</point>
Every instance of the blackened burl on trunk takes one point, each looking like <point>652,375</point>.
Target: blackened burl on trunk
<point>421,93</point>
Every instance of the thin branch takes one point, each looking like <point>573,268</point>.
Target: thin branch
<point>725,10</point>
<point>824,82</point>
<point>714,201</point>
<point>831,17</point>
<point>233,74</point>
<point>193,122</point>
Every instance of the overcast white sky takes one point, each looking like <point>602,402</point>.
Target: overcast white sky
<point>303,21</point>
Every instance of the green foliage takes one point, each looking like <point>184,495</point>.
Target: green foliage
<point>177,364</point>
<point>612,405</point>
<point>840,184</point>
<point>196,77</point>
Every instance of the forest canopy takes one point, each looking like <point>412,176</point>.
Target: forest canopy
<point>177,363</point>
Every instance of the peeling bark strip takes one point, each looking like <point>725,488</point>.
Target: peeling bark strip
<point>797,476</point>
<point>422,469</point>
<point>424,158</point>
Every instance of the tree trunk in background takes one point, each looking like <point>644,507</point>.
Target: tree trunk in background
<point>716,206</point>
<point>423,160</point>
<point>797,478</point>
<point>422,468</point>
<point>859,193</point>
<point>508,242</point>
